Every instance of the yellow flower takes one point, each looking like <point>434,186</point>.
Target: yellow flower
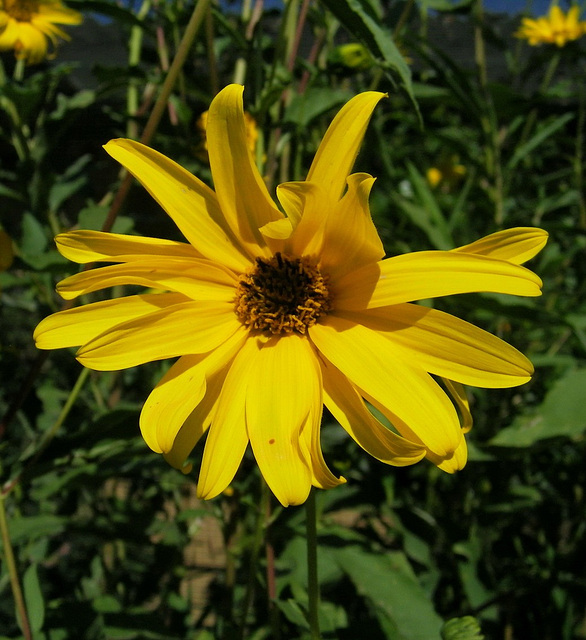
<point>555,28</point>
<point>448,172</point>
<point>27,25</point>
<point>273,316</point>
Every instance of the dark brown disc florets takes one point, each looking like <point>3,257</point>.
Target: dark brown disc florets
<point>282,295</point>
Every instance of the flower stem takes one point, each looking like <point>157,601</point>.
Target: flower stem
<point>312,580</point>
<point>261,523</point>
<point>13,573</point>
<point>77,387</point>
<point>191,30</point>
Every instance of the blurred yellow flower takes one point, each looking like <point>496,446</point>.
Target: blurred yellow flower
<point>27,25</point>
<point>448,172</point>
<point>556,28</point>
<point>274,315</point>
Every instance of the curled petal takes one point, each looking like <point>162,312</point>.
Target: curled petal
<point>458,395</point>
<point>379,371</point>
<point>455,463</point>
<point>339,147</point>
<point>195,425</point>
<point>347,406</point>
<point>350,239</point>
<point>180,391</point>
<point>242,194</point>
<point>227,437</point>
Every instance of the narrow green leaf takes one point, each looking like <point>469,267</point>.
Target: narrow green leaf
<point>33,597</point>
<point>541,135</point>
<point>356,16</point>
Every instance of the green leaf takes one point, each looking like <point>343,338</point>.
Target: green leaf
<point>33,527</point>
<point>560,414</point>
<point>312,103</point>
<point>34,240</point>
<point>542,135</point>
<point>94,215</point>
<point>357,16</point>
<point>447,5</point>
<point>390,587</point>
<point>33,597</point>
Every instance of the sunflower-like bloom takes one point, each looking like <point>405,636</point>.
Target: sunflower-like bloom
<point>557,27</point>
<point>274,315</point>
<point>27,25</point>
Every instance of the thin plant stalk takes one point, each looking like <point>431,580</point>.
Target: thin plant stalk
<point>77,387</point>
<point>13,572</point>
<point>196,20</point>
<point>261,523</point>
<point>312,579</point>
<point>135,46</point>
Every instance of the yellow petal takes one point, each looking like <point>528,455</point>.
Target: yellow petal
<point>197,279</point>
<point>180,390</point>
<point>227,437</point>
<point>350,237</point>
<point>183,329</point>
<point>95,246</point>
<point>242,194</point>
<point>195,425</point>
<point>56,12</point>
<point>75,327</point>
<point>429,274</point>
<point>513,245</point>
<point>310,440</point>
<point>283,386</point>
<point>458,395</point>
<point>29,42</point>
<point>447,346</point>
<point>191,204</point>
<point>372,363</point>
<point>339,147</point>
<point>348,408</point>
<point>455,462</point>
<point>308,206</point>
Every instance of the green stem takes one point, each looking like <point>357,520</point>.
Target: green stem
<point>312,579</point>
<point>13,573</point>
<point>134,47</point>
<point>52,431</point>
<point>197,17</point>
<point>261,523</point>
<point>18,73</point>
<point>488,119</point>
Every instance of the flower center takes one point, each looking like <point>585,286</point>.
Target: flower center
<point>21,10</point>
<point>282,295</point>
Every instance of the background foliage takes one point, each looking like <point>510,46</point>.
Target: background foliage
<point>479,132</point>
